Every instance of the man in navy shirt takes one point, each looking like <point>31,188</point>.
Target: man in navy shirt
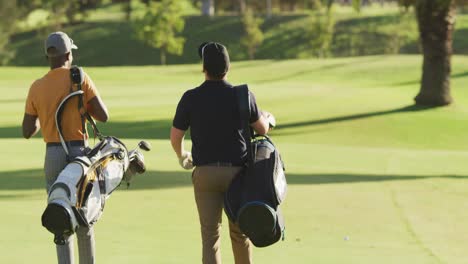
<point>219,150</point>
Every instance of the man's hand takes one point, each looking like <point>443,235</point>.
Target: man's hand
<point>270,118</point>
<point>185,160</point>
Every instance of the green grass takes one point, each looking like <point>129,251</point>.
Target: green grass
<point>361,162</point>
<point>106,39</point>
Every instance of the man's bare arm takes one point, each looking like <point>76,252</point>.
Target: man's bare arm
<point>30,126</point>
<point>98,109</point>
<point>261,126</point>
<point>177,141</point>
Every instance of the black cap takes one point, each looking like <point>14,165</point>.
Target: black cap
<point>215,58</point>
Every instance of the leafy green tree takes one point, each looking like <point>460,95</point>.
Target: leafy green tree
<point>321,33</point>
<point>160,27</point>
<point>357,5</point>
<point>8,12</point>
<point>71,12</point>
<point>59,11</point>
<point>253,36</point>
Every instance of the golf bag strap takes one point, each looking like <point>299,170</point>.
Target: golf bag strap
<point>77,77</point>
<point>58,118</point>
<point>76,74</point>
<point>243,102</point>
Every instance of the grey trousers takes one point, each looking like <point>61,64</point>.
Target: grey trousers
<point>55,161</point>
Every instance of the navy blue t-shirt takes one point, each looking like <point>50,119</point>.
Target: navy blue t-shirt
<point>212,114</point>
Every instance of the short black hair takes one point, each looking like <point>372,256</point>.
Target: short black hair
<point>215,58</point>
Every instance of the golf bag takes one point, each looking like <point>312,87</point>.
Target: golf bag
<point>78,196</point>
<point>253,198</point>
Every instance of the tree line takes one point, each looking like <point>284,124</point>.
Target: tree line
<point>163,21</point>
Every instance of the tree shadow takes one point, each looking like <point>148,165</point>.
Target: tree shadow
<point>410,108</point>
<point>417,82</point>
<point>460,75</point>
<point>153,129</point>
<point>333,178</point>
<point>13,100</point>
<point>330,66</point>
<point>460,41</point>
<point>23,180</point>
<point>11,132</point>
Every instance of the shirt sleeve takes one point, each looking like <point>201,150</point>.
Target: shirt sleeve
<point>254,112</point>
<point>89,89</point>
<point>182,116</point>
<point>30,108</point>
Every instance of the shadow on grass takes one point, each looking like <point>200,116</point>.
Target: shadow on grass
<point>410,108</point>
<point>330,66</point>
<point>154,129</point>
<point>34,179</point>
<point>11,132</point>
<point>417,82</point>
<point>333,178</point>
<point>160,129</point>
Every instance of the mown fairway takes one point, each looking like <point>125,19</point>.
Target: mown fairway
<point>361,162</point>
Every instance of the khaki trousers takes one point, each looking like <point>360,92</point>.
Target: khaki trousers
<point>210,183</point>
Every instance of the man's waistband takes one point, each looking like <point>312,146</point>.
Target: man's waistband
<point>73,143</point>
<point>222,164</point>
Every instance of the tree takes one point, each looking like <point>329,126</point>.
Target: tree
<point>127,8</point>
<point>268,8</point>
<point>357,5</point>
<point>8,13</point>
<point>253,34</point>
<point>160,26</point>
<point>71,12</point>
<point>436,20</point>
<point>242,6</point>
<point>321,33</point>
<point>207,7</point>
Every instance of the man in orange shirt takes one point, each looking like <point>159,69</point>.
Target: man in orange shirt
<point>42,102</point>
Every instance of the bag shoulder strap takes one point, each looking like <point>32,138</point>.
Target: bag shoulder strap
<point>243,102</point>
<point>77,78</point>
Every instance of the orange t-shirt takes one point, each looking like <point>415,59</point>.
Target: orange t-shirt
<point>46,94</point>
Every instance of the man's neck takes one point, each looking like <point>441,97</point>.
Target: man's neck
<point>208,78</point>
<point>58,65</point>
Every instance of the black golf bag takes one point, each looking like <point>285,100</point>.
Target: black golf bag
<point>253,198</point>
<point>78,196</point>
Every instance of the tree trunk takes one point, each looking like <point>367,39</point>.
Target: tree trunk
<point>329,4</point>
<point>208,7</point>
<point>163,56</point>
<point>251,53</point>
<point>242,6</point>
<point>436,24</point>
<point>268,8</point>
<point>128,10</point>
